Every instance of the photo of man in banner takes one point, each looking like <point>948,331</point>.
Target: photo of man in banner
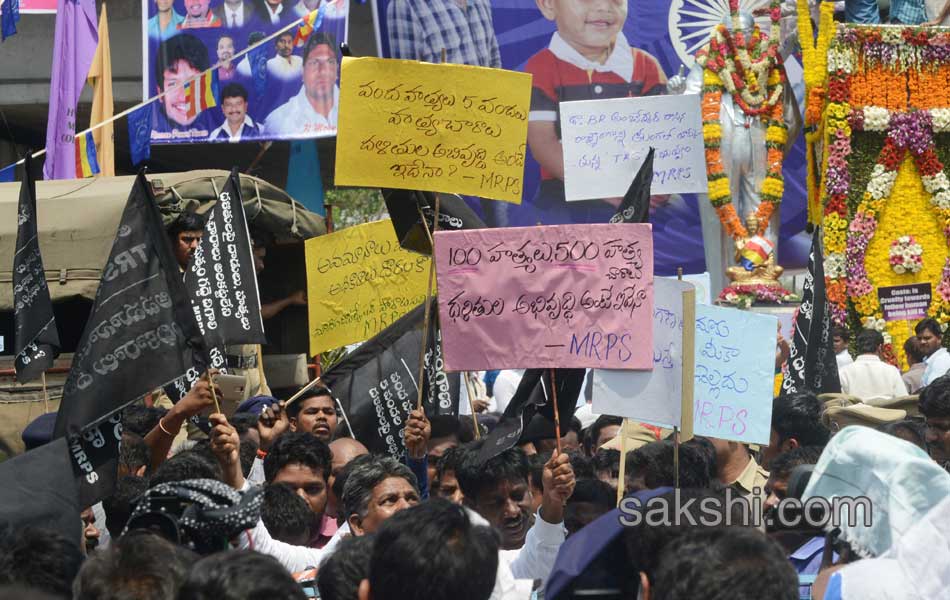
<point>582,50</point>
<point>285,89</point>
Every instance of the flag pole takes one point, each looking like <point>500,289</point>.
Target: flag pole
<point>676,429</point>
<point>45,393</point>
<point>428,309</point>
<point>471,402</point>
<point>557,416</point>
<point>622,475</point>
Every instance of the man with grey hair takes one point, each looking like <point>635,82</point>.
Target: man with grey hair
<point>376,490</point>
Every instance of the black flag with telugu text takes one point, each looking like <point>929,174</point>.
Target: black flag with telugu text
<point>406,208</point>
<point>376,383</point>
<point>811,365</point>
<point>141,334</point>
<point>222,285</point>
<point>534,395</point>
<point>36,343</point>
<point>635,207</point>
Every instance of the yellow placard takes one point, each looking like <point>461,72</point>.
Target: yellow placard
<point>440,128</point>
<point>359,281</point>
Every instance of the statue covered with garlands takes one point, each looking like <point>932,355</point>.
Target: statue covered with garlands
<point>750,120</point>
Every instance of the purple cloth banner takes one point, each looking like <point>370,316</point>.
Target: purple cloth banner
<point>74,46</point>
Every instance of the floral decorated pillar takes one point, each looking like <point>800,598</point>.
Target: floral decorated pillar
<point>884,191</point>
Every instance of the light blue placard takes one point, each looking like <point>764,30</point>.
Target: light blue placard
<point>735,374</point>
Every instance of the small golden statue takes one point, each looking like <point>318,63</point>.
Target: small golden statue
<point>756,258</point>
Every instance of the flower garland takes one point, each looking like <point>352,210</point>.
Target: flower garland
<point>906,255</point>
<point>815,64</point>
<point>750,79</point>
<point>720,190</point>
<point>744,296</point>
<point>877,78</point>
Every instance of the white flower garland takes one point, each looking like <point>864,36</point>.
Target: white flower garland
<point>906,255</point>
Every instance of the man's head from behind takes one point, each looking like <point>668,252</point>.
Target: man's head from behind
<point>375,490</point>
<point>869,341</point>
<point>499,490</point>
<point>179,58</point>
<point>776,488</point>
<point>319,66</point>
<point>314,412</point>
<point>301,461</point>
<point>340,574</point>
<point>913,350</point>
<point>796,422</point>
<point>735,563</point>
<point>286,515</point>
<point>930,334</point>
<point>239,575</point>
<point>591,498</point>
<point>653,466</point>
<point>432,552</point>
<point>185,233</point>
<point>935,406</point>
<point>39,558</point>
<point>138,565</point>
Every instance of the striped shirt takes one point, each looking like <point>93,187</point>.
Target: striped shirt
<point>421,29</point>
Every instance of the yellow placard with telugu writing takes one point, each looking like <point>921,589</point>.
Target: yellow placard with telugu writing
<point>440,128</point>
<point>359,281</point>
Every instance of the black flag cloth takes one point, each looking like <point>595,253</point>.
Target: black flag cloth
<point>220,278</point>
<point>635,207</point>
<point>141,334</point>
<point>811,365</point>
<point>36,338</point>
<point>376,383</point>
<point>222,285</point>
<point>37,489</point>
<point>534,395</point>
<point>404,210</point>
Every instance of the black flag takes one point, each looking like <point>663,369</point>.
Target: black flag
<point>811,364</point>
<point>534,395</point>
<point>36,339</point>
<point>140,335</point>
<point>404,210</point>
<point>37,489</point>
<point>376,383</point>
<point>220,278</point>
<point>222,285</point>
<point>635,207</point>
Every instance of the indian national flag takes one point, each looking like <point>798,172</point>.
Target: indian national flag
<point>86,163</point>
<point>202,93</point>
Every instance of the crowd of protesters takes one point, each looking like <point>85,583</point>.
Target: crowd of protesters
<point>279,501</point>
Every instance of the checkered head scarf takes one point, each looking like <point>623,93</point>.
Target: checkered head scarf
<point>200,514</point>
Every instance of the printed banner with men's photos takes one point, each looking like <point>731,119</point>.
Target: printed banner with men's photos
<point>286,89</point>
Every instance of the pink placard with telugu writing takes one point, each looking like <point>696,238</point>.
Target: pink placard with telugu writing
<point>561,296</point>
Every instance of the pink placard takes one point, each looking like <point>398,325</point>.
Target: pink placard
<point>37,6</point>
<point>546,297</point>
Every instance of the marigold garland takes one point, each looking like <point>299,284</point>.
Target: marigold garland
<point>895,82</point>
<point>720,191</point>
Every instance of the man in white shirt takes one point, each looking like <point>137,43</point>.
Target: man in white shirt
<point>930,335</point>
<point>314,110</point>
<point>869,378</point>
<point>840,336</point>
<point>285,65</point>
